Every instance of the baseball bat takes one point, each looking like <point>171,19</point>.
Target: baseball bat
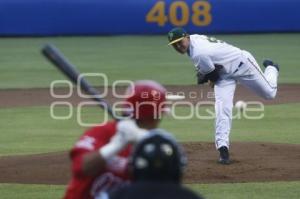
<point>68,69</point>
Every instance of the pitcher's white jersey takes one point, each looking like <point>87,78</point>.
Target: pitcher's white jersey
<point>206,51</point>
<point>238,66</point>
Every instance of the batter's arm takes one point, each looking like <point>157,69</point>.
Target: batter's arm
<point>92,163</point>
<point>95,162</point>
<point>127,132</point>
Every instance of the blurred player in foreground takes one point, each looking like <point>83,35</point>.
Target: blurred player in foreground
<point>157,166</point>
<point>223,65</point>
<point>100,156</point>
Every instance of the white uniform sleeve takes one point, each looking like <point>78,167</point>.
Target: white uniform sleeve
<point>204,64</point>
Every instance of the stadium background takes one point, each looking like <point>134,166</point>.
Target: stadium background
<point>127,40</point>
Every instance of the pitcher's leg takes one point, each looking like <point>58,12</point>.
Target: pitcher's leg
<point>271,72</point>
<point>223,108</point>
<point>263,84</point>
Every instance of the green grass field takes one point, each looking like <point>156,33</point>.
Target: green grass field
<point>131,57</point>
<point>32,130</point>
<point>29,130</point>
<point>276,190</point>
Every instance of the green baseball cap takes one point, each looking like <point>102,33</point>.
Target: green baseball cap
<point>176,34</point>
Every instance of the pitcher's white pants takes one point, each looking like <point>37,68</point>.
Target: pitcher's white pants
<point>249,75</point>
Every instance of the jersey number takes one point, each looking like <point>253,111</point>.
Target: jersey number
<point>214,40</point>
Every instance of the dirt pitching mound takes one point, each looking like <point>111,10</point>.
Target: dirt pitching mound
<point>251,162</point>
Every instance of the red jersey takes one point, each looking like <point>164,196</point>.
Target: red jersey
<point>116,173</point>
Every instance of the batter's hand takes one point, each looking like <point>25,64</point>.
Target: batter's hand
<point>129,131</point>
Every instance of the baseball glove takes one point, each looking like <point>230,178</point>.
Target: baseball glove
<point>213,76</point>
<point>201,79</point>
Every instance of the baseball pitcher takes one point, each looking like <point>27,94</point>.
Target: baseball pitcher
<point>223,65</point>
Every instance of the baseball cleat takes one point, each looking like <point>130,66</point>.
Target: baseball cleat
<point>224,161</point>
<point>269,62</point>
<point>224,155</point>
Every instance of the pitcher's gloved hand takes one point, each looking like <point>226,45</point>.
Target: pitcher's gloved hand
<point>211,84</point>
<point>213,76</point>
<point>201,79</point>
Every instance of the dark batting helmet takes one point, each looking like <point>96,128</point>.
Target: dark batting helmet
<point>145,100</point>
<point>158,158</point>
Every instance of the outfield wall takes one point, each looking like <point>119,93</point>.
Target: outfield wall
<point>101,17</point>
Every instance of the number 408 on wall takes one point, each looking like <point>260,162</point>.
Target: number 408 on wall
<point>180,13</point>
